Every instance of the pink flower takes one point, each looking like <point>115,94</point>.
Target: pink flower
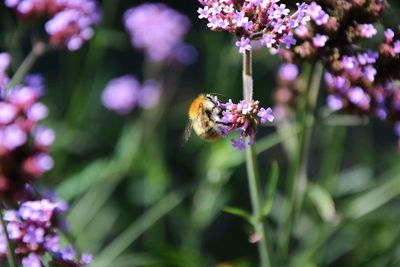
<point>244,45</point>
<point>254,19</point>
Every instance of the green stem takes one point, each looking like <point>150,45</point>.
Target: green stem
<point>252,171</point>
<point>11,257</point>
<point>254,185</point>
<point>305,143</point>
<point>38,49</point>
<point>298,176</point>
<point>117,246</point>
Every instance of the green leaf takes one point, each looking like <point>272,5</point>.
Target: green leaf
<point>323,202</point>
<point>120,243</point>
<point>239,213</point>
<point>377,196</point>
<point>81,182</point>
<point>271,189</point>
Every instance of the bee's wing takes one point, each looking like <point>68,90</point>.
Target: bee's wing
<point>188,131</point>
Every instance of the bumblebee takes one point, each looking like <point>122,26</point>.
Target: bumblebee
<point>205,118</point>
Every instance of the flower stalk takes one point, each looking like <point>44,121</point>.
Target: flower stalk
<point>10,250</point>
<point>252,170</point>
<point>298,177</point>
<point>38,50</point>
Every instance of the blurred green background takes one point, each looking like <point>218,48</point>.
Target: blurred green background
<point>140,198</point>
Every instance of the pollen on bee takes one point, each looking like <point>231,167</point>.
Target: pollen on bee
<point>194,108</point>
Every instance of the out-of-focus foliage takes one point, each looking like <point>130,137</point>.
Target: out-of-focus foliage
<point>140,198</point>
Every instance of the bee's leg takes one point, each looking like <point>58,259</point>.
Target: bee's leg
<point>223,123</point>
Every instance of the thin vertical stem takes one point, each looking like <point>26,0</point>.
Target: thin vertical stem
<point>252,171</point>
<point>11,257</point>
<point>298,176</point>
<point>247,76</point>
<point>305,143</point>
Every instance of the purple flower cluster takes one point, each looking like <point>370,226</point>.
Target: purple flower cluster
<point>244,117</point>
<point>267,20</point>
<point>364,82</point>
<point>354,74</point>
<point>33,234</point>
<point>125,93</point>
<point>32,8</point>
<point>72,25</point>
<point>24,145</point>
<point>159,31</point>
<point>358,80</point>
<point>391,46</point>
<point>335,25</point>
<point>70,22</point>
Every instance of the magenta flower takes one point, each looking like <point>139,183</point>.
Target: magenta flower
<point>70,22</point>
<point>31,8</point>
<point>34,234</point>
<point>157,30</point>
<point>22,160</point>
<point>334,102</point>
<point>317,14</point>
<point>367,30</point>
<point>35,81</point>
<point>288,72</point>
<point>265,115</point>
<point>267,20</point>
<point>244,117</point>
<point>123,94</point>
<point>73,25</point>
<point>244,45</point>
<point>32,260</point>
<point>319,40</point>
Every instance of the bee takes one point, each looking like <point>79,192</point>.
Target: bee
<point>205,118</point>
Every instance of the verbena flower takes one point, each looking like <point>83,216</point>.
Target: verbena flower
<point>334,27</point>
<point>32,8</point>
<point>34,232</point>
<point>244,117</point>
<point>70,22</point>
<point>125,93</point>
<point>36,81</point>
<point>24,144</point>
<point>159,31</point>
<point>269,21</point>
<point>73,24</point>
<point>358,81</point>
<point>288,72</point>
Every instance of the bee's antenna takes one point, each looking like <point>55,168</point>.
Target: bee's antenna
<point>221,95</point>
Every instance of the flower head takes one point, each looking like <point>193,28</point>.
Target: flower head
<point>33,231</point>
<point>267,20</point>
<point>157,30</point>
<point>123,94</point>
<point>24,144</point>
<point>72,26</point>
<point>244,117</point>
<point>70,22</point>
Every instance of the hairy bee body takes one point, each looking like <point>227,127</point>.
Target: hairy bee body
<point>205,118</point>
